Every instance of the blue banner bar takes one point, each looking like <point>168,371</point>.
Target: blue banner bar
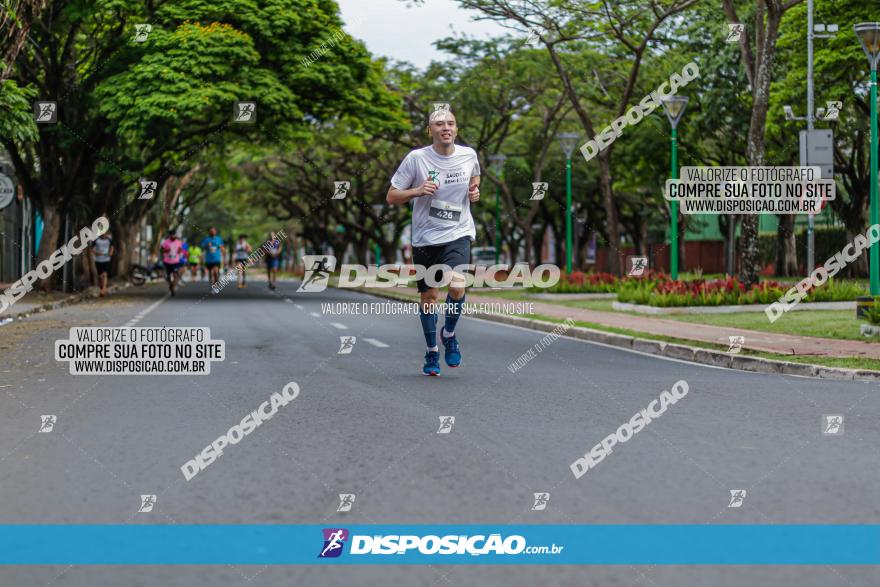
<point>440,544</point>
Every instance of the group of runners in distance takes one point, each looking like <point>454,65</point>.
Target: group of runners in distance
<point>208,256</point>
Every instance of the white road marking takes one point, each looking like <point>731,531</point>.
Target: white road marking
<point>143,313</point>
<point>633,351</point>
<point>339,326</point>
<point>376,343</point>
<point>298,307</point>
<point>315,314</point>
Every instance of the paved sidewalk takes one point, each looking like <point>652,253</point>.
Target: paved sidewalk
<point>35,301</point>
<point>783,344</point>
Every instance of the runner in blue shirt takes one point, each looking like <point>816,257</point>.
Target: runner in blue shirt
<point>214,251</point>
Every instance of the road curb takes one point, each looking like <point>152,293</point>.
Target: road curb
<point>74,299</point>
<point>675,351</point>
<point>692,354</point>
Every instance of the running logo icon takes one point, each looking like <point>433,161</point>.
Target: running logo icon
<point>539,190</point>
<point>346,501</point>
<point>439,108</point>
<point>340,189</point>
<point>637,266</point>
<point>446,424</point>
<point>346,345</point>
<point>736,498</point>
<point>334,540</point>
<point>141,32</point>
<point>148,189</point>
<point>434,177</point>
<point>541,501</point>
<point>147,503</point>
<point>47,423</point>
<point>735,32</point>
<point>244,112</point>
<point>832,110</point>
<point>45,112</point>
<point>533,36</point>
<point>318,270</point>
<point>832,424</point>
<point>736,344</point>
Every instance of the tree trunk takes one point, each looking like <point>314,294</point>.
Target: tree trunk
<point>751,261</point>
<point>538,244</point>
<point>786,249</point>
<point>126,248</point>
<point>858,267</point>
<point>612,261</point>
<point>49,242</point>
<point>530,248</point>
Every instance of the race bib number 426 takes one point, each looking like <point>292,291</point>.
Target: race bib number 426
<point>445,211</point>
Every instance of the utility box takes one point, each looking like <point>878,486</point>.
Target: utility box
<point>817,150</point>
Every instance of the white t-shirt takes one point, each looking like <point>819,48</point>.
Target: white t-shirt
<point>102,249</point>
<point>241,251</point>
<point>445,216</point>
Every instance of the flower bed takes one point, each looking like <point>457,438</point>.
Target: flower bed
<point>722,292</point>
<point>580,282</point>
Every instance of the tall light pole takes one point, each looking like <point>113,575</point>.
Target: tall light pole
<point>869,36</point>
<point>674,107</point>
<point>568,141</point>
<point>498,166</point>
<point>811,117</point>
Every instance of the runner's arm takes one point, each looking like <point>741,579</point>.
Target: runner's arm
<point>405,175</point>
<point>474,189</point>
<point>397,197</point>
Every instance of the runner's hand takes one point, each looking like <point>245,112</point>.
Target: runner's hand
<point>474,193</point>
<point>427,189</point>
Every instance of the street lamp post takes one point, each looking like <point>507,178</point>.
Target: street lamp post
<point>498,166</point>
<point>814,31</point>
<point>568,141</point>
<point>674,107</point>
<point>869,36</point>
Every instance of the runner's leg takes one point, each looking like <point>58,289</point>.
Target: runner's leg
<point>428,295</point>
<point>456,254</point>
<point>428,316</point>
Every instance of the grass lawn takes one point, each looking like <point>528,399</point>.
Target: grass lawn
<point>844,362</point>
<point>821,323</point>
<point>841,362</point>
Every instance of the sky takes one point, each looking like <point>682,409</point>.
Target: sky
<point>390,28</point>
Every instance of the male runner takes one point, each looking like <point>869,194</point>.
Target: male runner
<point>184,259</point>
<point>242,252</point>
<point>214,250</point>
<point>195,260</point>
<point>103,247</point>
<point>440,181</point>
<point>273,258</point>
<point>172,258</point>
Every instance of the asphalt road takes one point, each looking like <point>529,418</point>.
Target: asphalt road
<point>366,423</point>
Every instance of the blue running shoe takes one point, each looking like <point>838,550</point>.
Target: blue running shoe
<point>453,353</point>
<point>432,364</point>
